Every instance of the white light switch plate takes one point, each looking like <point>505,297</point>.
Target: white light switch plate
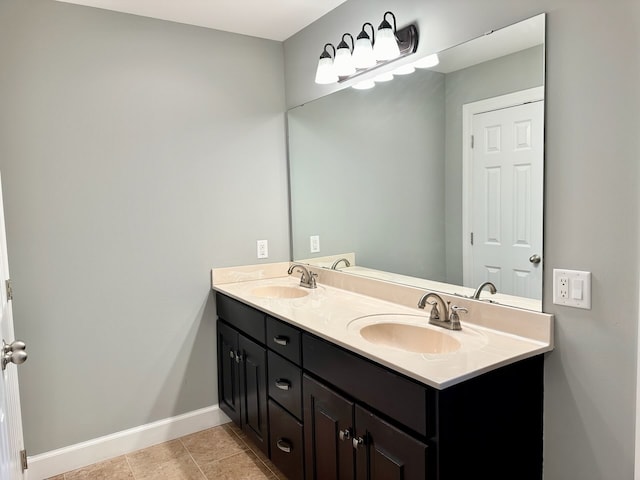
<point>572,288</point>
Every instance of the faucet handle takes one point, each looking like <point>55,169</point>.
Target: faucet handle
<point>454,318</point>
<point>435,313</point>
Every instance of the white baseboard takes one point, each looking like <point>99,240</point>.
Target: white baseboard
<point>69,458</point>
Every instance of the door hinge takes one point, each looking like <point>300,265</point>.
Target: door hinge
<point>23,459</point>
<point>9,288</point>
<point>471,238</point>
<point>472,141</point>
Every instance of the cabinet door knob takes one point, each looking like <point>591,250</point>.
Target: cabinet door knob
<point>281,340</point>
<point>345,434</point>
<point>357,441</point>
<point>283,384</point>
<point>238,357</point>
<point>284,445</point>
<point>232,354</point>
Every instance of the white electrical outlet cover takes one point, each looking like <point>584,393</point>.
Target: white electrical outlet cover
<point>572,288</point>
<point>314,243</point>
<point>262,248</point>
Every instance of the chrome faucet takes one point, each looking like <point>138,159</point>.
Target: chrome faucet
<point>335,264</point>
<point>308,279</point>
<point>440,312</point>
<point>492,289</point>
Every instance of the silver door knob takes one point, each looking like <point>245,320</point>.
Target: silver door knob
<point>14,346</point>
<point>13,353</point>
<point>535,259</point>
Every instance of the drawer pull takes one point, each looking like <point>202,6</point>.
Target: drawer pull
<point>284,445</point>
<point>283,384</point>
<point>281,340</point>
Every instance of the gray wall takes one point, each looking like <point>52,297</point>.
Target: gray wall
<point>591,212</point>
<point>367,173</point>
<point>503,75</point>
<point>135,156</point>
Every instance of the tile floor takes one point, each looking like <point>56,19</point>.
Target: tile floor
<point>220,453</point>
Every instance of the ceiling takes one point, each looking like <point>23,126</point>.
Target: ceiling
<point>274,20</point>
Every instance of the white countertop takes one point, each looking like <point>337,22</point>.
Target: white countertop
<point>335,314</point>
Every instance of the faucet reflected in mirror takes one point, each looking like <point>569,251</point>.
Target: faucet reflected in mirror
<point>482,286</point>
<point>353,179</point>
<point>337,262</point>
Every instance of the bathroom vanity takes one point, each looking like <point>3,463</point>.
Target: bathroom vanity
<point>322,402</point>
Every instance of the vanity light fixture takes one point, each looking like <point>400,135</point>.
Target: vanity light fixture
<point>326,73</point>
<point>367,52</point>
<point>386,46</point>
<point>363,56</point>
<point>343,63</point>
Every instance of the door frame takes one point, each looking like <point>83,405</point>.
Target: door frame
<point>514,99</point>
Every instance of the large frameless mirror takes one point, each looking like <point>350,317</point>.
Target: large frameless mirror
<point>432,179</point>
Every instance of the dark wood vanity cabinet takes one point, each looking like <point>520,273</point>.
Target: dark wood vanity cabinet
<point>259,385</point>
<point>322,412</point>
<point>242,374</point>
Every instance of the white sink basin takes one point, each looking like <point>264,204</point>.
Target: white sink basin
<point>412,338</point>
<point>279,291</point>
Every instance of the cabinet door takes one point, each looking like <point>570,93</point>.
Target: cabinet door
<point>328,427</point>
<point>253,391</point>
<point>386,453</point>
<point>228,372</point>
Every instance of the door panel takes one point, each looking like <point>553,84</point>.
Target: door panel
<point>228,379</point>
<point>386,452</point>
<point>253,379</point>
<point>11,439</point>
<point>326,414</point>
<point>507,199</point>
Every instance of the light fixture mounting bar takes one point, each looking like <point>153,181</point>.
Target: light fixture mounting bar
<point>407,43</point>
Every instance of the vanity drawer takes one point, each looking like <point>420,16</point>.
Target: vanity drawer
<point>246,319</point>
<point>287,451</point>
<point>391,394</point>
<point>284,339</point>
<point>285,384</point>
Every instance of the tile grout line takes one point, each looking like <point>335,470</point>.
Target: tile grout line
<point>249,446</point>
<point>193,459</point>
<point>126,459</point>
<point>260,459</point>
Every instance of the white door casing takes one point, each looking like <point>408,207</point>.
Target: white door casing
<point>11,439</point>
<point>502,192</point>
